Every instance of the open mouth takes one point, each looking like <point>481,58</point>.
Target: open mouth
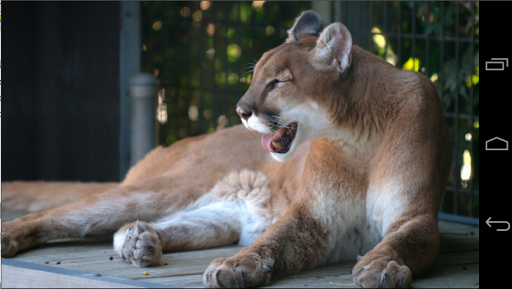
<point>281,141</point>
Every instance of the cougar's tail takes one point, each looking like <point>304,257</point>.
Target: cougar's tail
<point>41,196</point>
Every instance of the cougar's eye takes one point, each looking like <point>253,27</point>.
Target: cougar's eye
<point>272,83</point>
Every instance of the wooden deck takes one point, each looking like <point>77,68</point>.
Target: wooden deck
<point>81,263</point>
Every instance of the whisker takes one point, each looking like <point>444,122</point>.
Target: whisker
<point>247,68</point>
<point>249,63</point>
<point>277,123</point>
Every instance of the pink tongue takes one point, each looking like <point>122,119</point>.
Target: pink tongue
<point>267,139</point>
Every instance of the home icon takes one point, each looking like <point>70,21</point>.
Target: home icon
<point>496,144</point>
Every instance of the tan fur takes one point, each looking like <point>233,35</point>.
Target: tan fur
<point>365,175</point>
<point>41,196</point>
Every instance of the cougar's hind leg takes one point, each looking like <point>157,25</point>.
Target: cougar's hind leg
<point>39,196</point>
<point>96,216</point>
<point>235,210</point>
<point>142,244</point>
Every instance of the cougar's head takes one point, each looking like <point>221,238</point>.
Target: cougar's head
<point>292,87</point>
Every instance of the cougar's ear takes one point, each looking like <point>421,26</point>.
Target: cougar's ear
<point>334,47</point>
<point>308,23</point>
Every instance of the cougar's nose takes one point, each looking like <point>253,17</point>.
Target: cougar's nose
<point>244,114</point>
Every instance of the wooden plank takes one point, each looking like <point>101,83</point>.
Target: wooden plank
<point>445,226</point>
<point>63,249</point>
<point>95,258</point>
<point>441,277</point>
<point>315,282</point>
<point>321,276</point>
<point>451,243</point>
<point>180,263</point>
<point>456,229</point>
<point>438,277</point>
<point>193,281</point>
<point>311,281</point>
<point>26,278</point>
<point>28,275</point>
<point>445,259</point>
<point>326,270</point>
<point>80,253</point>
<point>186,268</point>
<point>456,276</point>
<point>456,258</point>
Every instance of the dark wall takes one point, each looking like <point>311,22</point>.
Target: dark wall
<point>60,91</point>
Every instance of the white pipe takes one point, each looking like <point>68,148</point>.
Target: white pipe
<point>143,96</point>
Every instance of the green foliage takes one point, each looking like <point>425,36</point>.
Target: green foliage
<point>203,56</point>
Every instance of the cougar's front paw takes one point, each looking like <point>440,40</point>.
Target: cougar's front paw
<point>9,245</point>
<point>381,272</point>
<point>138,244</point>
<point>248,271</point>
